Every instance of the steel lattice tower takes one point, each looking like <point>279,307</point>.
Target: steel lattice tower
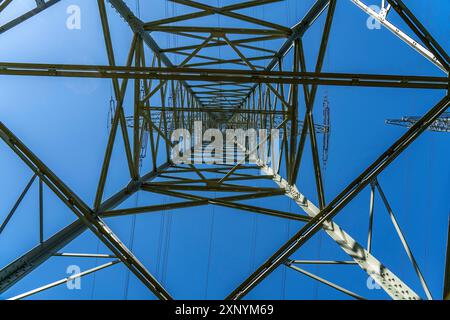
<point>442,124</point>
<point>169,96</point>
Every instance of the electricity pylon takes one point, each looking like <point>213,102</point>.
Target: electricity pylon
<point>441,124</point>
<point>224,93</point>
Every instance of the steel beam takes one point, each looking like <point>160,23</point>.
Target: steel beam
<point>83,212</point>
<point>138,27</point>
<point>233,75</point>
<point>22,266</point>
<point>333,208</point>
<point>325,282</point>
<point>65,280</point>
<point>423,34</point>
<point>15,22</point>
<point>390,283</point>
<point>381,18</point>
<point>17,203</point>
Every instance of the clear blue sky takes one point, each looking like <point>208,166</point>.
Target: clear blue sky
<point>206,252</point>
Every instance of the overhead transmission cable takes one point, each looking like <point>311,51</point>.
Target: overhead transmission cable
<point>133,218</point>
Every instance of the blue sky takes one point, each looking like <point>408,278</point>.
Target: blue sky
<point>205,252</point>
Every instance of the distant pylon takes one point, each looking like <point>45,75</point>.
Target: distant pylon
<point>327,130</point>
<point>442,124</point>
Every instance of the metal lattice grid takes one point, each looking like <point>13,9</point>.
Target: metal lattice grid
<point>225,93</point>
